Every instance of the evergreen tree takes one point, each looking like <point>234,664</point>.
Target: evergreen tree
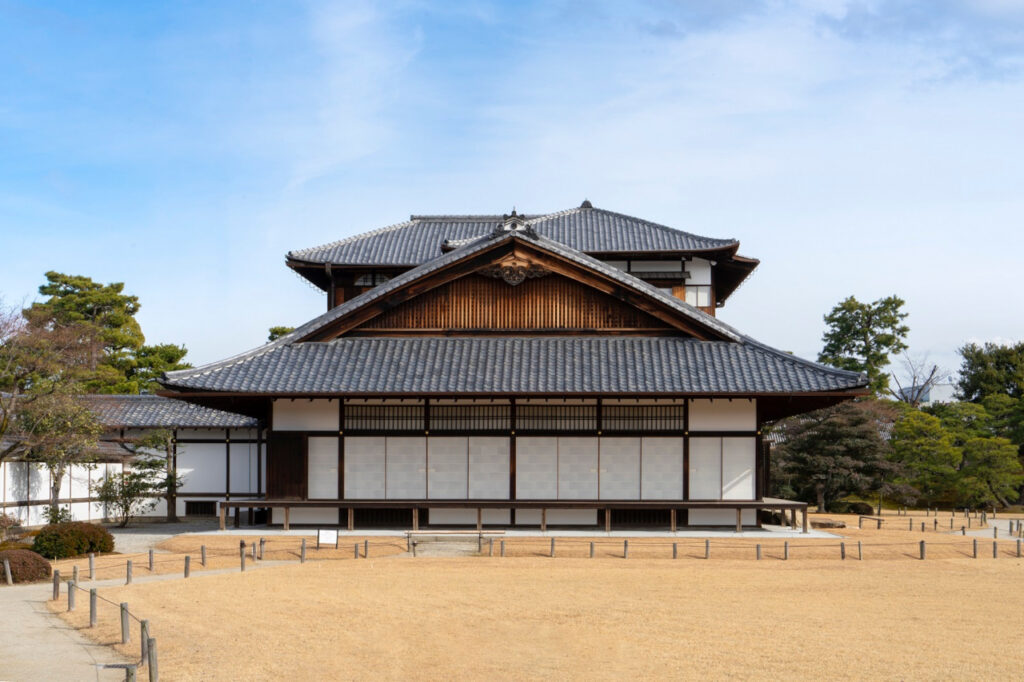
<point>861,337</point>
<point>991,369</point>
<point>927,455</point>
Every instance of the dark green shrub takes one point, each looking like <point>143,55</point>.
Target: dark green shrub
<point>862,508</point>
<point>26,566</point>
<point>62,540</point>
<point>839,507</point>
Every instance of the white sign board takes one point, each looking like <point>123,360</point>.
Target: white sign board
<point>326,536</point>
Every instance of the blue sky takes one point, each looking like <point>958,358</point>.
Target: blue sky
<point>863,148</point>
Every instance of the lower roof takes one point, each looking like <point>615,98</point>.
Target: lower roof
<point>153,411</point>
<point>518,365</point>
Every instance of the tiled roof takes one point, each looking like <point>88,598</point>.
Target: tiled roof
<point>592,230</point>
<point>539,365</point>
<point>142,411</point>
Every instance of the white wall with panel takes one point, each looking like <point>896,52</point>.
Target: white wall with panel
<point>661,475</point>
<point>307,515</point>
<point>557,517</point>
<point>738,461</point>
<point>448,468</point>
<point>705,468</point>
<point>619,468</point>
<point>489,467</point>
<point>720,517</point>
<point>364,467</point>
<point>467,517</point>
<point>406,467</point>
<point>244,468</point>
<point>577,468</point>
<point>305,415</point>
<point>739,414</point>
<point>322,470</point>
<point>536,468</point>
<point>202,466</point>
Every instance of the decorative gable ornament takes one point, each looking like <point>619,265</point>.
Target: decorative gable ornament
<point>514,271</point>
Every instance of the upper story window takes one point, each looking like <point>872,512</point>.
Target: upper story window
<point>371,279</point>
<point>698,295</point>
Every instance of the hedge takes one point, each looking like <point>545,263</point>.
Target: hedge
<point>26,565</point>
<point>61,540</point>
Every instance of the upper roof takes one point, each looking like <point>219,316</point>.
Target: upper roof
<point>591,230</point>
<point>721,360</point>
<point>153,411</point>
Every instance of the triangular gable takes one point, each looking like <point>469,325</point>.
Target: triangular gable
<point>515,251</point>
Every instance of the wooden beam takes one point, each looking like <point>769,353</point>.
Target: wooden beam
<point>543,520</point>
<point>479,518</point>
<point>672,517</point>
<point>607,520</point>
<point>739,520</point>
<point>351,518</point>
<point>415,518</point>
<point>287,517</point>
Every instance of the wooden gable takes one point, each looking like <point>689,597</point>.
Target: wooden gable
<point>487,303</point>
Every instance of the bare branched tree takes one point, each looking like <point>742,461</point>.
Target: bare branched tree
<point>919,380</point>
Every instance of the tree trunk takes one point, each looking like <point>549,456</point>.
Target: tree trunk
<point>56,476</point>
<point>172,489</point>
<point>820,489</point>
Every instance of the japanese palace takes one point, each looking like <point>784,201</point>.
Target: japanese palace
<point>524,370</point>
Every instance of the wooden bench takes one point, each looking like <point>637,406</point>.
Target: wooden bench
<point>878,521</point>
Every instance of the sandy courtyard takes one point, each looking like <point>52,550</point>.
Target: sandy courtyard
<point>394,617</point>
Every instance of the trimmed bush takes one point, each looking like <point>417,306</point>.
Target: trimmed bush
<point>26,565</point>
<point>61,540</point>
<point>862,508</point>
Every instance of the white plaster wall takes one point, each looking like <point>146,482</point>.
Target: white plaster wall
<point>406,467</point>
<point>364,467</point>
<point>620,468</point>
<point>38,482</point>
<point>203,467</point>
<point>80,481</point>
<point>738,455</point>
<point>536,468</point>
<point>307,515</point>
<point>243,467</point>
<point>661,468</point>
<point>557,517</point>
<point>723,415</point>
<point>700,271</point>
<point>577,468</point>
<point>720,517</point>
<point>705,468</point>
<point>306,415</point>
<point>322,472</point>
<point>447,468</point>
<point>488,467</point>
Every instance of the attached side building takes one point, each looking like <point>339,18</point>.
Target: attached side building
<point>488,372</point>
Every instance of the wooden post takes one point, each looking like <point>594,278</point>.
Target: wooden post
<point>74,573</point>
<point>143,640</point>
<point>995,549</point>
<point>707,549</point>
<point>592,549</point>
<point>7,572</point>
<point>302,552</point>
<point>935,524</point>
<point>479,519</point>
<point>922,550</point>
<point>543,520</point>
<point>860,551</point>
<point>805,519</point>
<point>842,551</point>
<point>860,522</point>
<point>552,554</point>
<point>607,520</point>
<point>222,512</point>
<point>963,530</point>
<point>910,524</point>
<point>131,672</point>
<point>975,548</point>
<point>739,520</point>
<point>150,561</point>
<point>675,550</point>
<point>414,548</point>
<point>241,553</point>
<point>92,607</point>
<point>758,551</point>
<point>92,566</point>
<point>287,517</point>
<point>357,550</point>
<point>154,669</point>
<point>672,519</point>
<point>202,555</point>
<point>56,585</point>
<point>188,565</point>
<point>415,518</point>
<point>366,549</point>
<point>126,633</point>
<point>352,520</point>
<point>263,545</point>
<point>71,595</point>
<point>253,552</point>
<point>785,550</point>
<point>1018,548</point>
<point>995,531</point>
<point>128,572</point>
<point>625,549</point>
<point>490,546</point>
<point>502,548</point>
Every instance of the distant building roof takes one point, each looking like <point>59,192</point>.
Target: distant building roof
<point>152,411</point>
